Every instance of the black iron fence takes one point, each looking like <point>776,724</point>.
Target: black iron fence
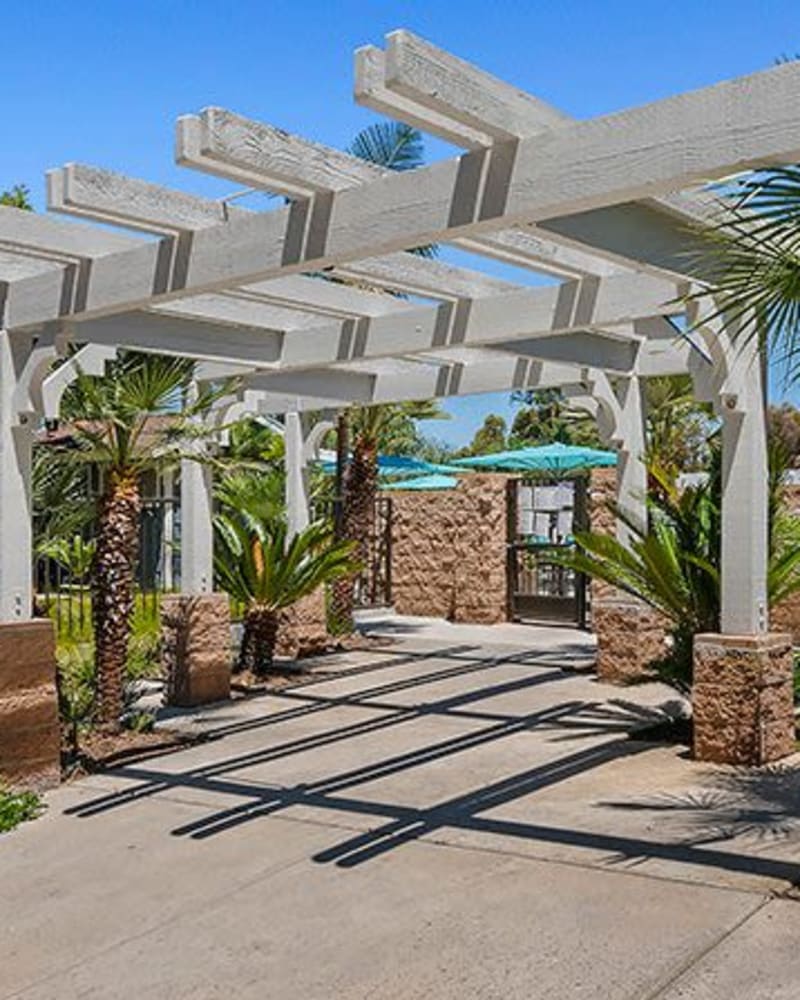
<point>61,580</point>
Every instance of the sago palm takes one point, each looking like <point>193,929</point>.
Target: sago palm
<point>674,565</point>
<point>110,415</point>
<point>262,567</point>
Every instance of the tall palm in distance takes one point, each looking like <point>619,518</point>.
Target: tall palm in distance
<point>391,146</point>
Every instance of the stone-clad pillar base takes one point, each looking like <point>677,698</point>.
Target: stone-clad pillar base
<point>742,703</point>
<point>196,648</point>
<point>630,636</point>
<point>30,733</point>
<point>302,628</point>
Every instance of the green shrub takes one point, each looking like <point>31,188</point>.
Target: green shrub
<point>17,807</point>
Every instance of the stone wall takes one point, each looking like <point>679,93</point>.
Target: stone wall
<point>30,735</point>
<point>449,551</point>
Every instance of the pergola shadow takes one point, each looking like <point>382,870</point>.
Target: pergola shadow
<point>401,822</point>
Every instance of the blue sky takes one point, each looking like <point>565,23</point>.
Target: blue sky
<point>102,82</point>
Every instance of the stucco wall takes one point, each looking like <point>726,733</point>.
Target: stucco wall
<point>449,551</point>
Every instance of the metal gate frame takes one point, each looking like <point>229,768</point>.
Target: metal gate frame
<point>561,608</point>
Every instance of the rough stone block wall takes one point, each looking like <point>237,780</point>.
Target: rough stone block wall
<point>449,551</point>
<point>196,647</point>
<point>30,735</point>
<point>742,701</point>
<point>302,628</point>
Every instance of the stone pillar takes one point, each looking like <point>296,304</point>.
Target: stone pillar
<point>30,735</point>
<point>630,635</point>
<point>196,647</point>
<point>742,699</point>
<point>302,628</point>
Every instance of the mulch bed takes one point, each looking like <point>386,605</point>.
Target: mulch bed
<point>100,751</point>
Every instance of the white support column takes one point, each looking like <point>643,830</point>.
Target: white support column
<point>621,421</point>
<point>744,496</point>
<point>16,439</point>
<point>297,512</point>
<point>197,533</point>
<point>631,469</point>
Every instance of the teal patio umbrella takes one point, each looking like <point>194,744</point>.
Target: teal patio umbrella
<point>437,481</point>
<point>555,457</point>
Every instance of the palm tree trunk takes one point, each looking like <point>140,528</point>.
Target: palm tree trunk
<point>258,639</point>
<point>340,616</point>
<point>113,593</point>
<point>358,519</point>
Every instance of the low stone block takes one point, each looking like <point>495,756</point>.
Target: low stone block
<point>196,648</point>
<point>30,732</point>
<point>302,628</point>
<point>742,698</point>
<point>630,636</point>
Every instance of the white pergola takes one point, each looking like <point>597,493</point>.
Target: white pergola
<point>602,206</point>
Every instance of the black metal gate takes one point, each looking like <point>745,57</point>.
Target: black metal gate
<point>543,516</point>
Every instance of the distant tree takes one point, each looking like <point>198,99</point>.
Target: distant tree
<point>678,426</point>
<point>783,427</point>
<point>489,438</point>
<point>546,417</point>
<point>18,196</point>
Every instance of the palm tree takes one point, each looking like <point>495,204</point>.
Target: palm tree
<point>751,261</point>
<point>110,417</point>
<point>391,426</point>
<point>260,566</point>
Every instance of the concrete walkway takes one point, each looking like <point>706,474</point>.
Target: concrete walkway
<point>450,816</point>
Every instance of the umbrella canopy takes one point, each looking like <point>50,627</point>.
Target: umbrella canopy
<point>544,458</point>
<point>400,465</point>
<point>437,481</point>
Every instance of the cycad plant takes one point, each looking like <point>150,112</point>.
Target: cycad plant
<point>674,566</point>
<point>264,568</point>
<point>111,426</point>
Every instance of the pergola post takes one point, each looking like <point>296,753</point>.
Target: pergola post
<point>197,537</point>
<point>195,624</point>
<point>297,513</point>
<point>742,698</point>
<point>630,635</point>
<point>303,626</point>
<point>16,527</point>
<point>29,727</point>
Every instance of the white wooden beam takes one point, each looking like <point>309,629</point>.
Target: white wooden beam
<point>228,145</point>
<point>433,78</point>
<point>104,196</point>
<point>91,359</point>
